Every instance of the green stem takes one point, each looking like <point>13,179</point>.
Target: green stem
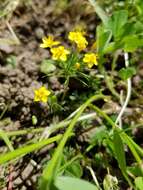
<point>137,147</point>
<point>65,123</point>
<point>24,132</point>
<point>66,87</point>
<point>51,128</point>
<point>103,114</point>
<point>131,146</point>
<point>110,85</point>
<point>115,57</point>
<point>3,112</point>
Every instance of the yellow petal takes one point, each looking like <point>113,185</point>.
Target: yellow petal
<point>43,45</point>
<point>90,65</point>
<point>44,99</point>
<point>63,57</point>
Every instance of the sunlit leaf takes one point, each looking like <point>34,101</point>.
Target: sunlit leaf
<point>117,21</point>
<point>139,183</point>
<point>69,183</point>
<point>47,66</point>
<point>126,73</point>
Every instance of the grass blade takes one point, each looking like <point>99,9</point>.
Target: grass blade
<point>27,149</point>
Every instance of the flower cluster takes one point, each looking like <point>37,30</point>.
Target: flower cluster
<point>79,39</point>
<point>60,53</point>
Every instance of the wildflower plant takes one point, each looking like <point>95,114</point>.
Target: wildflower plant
<point>73,60</point>
<point>117,35</point>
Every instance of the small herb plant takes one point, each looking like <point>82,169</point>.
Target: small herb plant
<point>72,62</point>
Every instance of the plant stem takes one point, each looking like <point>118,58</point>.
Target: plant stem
<point>110,85</point>
<point>24,132</point>
<point>100,112</point>
<point>51,128</point>
<point>65,123</point>
<point>3,112</point>
<point>94,177</point>
<point>129,88</point>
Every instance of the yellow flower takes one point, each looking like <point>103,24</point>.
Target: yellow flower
<point>48,42</point>
<point>41,94</point>
<point>73,36</point>
<point>81,43</point>
<point>59,53</point>
<point>77,65</point>
<point>79,39</point>
<point>90,59</point>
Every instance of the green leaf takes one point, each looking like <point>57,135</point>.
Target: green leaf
<point>119,150</point>
<point>135,170</point>
<point>139,183</point>
<point>47,66</point>
<point>131,43</point>
<point>74,170</point>
<point>117,21</point>
<point>11,60</point>
<point>99,135</point>
<point>102,39</point>
<point>134,148</point>
<point>111,47</point>
<point>129,29</point>
<point>69,183</point>
<point>138,27</point>
<point>126,73</point>
<point>139,6</point>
